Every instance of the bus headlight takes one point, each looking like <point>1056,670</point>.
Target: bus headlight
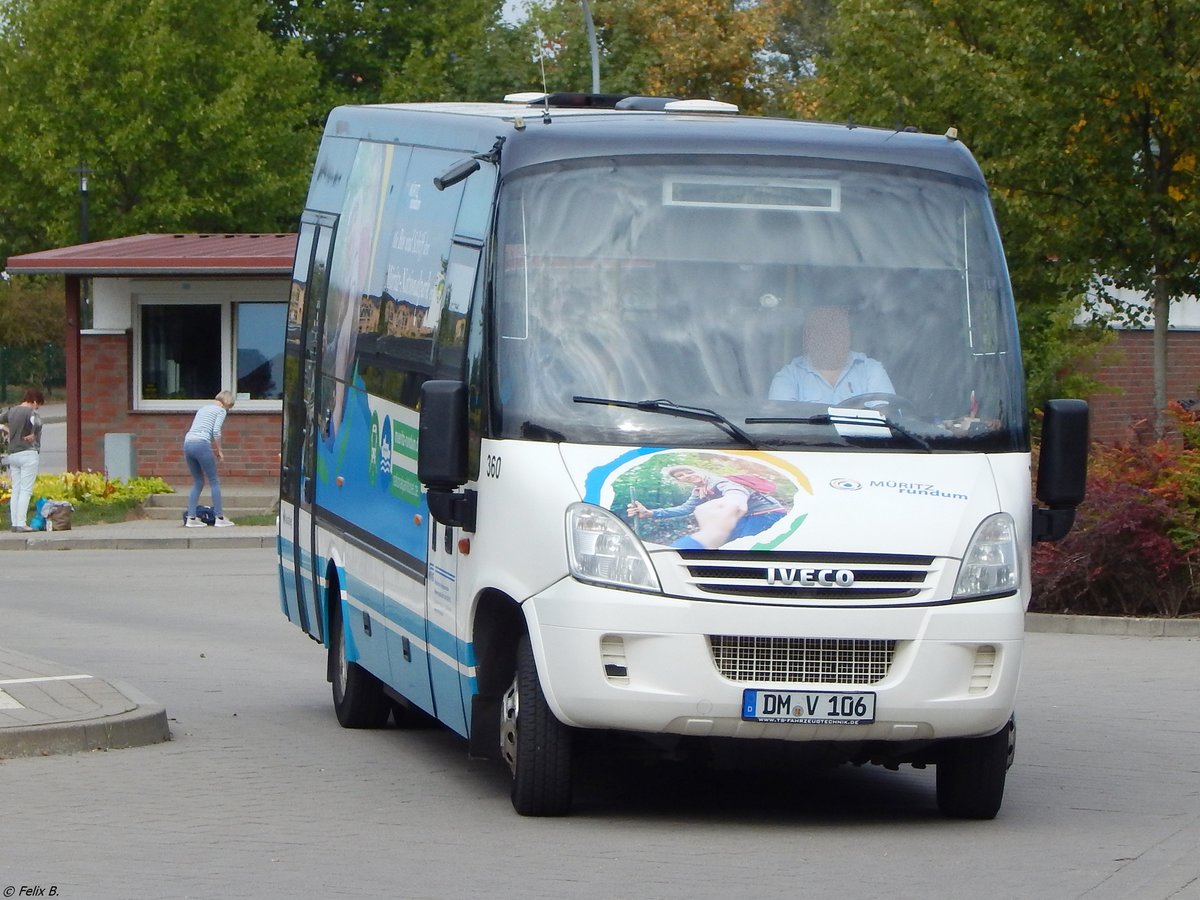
<point>603,550</point>
<point>990,564</point>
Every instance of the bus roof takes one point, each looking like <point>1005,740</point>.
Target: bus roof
<point>536,133</point>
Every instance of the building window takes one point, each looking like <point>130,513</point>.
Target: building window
<point>189,349</point>
<point>181,351</point>
<point>259,346</point>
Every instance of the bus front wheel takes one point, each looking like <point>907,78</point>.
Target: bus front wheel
<point>358,697</point>
<point>536,746</point>
<point>971,774</point>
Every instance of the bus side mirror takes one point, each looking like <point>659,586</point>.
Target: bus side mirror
<point>442,438</point>
<point>442,453</point>
<point>1062,468</point>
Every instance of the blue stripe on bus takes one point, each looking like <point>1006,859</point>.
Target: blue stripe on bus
<point>409,620</point>
<point>449,677</point>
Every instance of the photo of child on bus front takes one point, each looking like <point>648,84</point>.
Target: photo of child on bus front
<point>702,507</point>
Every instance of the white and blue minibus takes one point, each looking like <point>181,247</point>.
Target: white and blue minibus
<point>627,415</point>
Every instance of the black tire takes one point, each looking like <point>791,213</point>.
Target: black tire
<point>358,697</point>
<point>971,773</point>
<point>410,717</point>
<point>535,744</point>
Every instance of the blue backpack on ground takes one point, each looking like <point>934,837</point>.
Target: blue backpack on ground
<point>38,521</point>
<point>205,514</point>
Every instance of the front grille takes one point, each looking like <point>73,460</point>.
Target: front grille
<point>795,577</point>
<point>801,660</point>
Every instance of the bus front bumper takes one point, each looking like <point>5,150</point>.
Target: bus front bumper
<point>612,659</point>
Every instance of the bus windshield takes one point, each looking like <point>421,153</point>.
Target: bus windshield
<point>753,302</point>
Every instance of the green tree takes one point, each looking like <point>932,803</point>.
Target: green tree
<point>31,332</point>
<point>31,312</point>
<point>1085,116</point>
<point>188,116</point>
<point>374,51</point>
<point>799,37</point>
<point>681,48</point>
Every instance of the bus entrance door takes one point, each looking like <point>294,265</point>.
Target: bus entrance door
<point>308,566</point>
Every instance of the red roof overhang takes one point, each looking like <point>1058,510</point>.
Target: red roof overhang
<point>165,254</point>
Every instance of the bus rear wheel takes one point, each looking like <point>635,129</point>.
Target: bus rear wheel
<point>358,697</point>
<point>536,746</point>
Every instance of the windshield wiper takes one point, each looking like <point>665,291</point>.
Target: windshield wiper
<point>830,419</point>
<point>667,407</point>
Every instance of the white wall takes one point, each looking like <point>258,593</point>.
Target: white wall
<point>113,298</point>
<point>1185,313</point>
<point>111,309</point>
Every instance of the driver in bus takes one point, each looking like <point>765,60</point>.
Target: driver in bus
<point>828,371</point>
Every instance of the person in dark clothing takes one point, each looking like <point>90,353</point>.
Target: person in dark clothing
<point>24,427</point>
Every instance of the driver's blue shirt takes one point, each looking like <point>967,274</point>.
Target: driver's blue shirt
<point>798,380</point>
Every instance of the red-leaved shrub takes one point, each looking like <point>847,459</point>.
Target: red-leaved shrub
<point>1135,546</point>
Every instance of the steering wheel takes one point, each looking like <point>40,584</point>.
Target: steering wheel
<point>873,399</point>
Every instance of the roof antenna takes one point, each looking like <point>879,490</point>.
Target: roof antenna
<point>545,90</point>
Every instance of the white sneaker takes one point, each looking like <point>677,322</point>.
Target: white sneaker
<point>223,522</point>
<point>194,522</point>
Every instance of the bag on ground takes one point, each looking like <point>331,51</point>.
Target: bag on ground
<point>37,521</point>
<point>57,514</point>
<point>205,514</point>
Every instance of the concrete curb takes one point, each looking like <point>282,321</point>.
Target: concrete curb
<point>49,709</point>
<point>144,534</point>
<point>137,543</point>
<point>141,726</point>
<point>1117,626</point>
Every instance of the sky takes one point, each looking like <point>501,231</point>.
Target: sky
<point>514,10</point>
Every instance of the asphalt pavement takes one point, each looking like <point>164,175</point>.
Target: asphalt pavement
<point>48,708</point>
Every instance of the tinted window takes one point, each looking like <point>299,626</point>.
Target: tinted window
<point>181,351</point>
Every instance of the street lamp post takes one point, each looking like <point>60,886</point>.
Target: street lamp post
<point>591,34</point>
<point>83,170</point>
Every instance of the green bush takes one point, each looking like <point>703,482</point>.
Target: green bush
<point>96,498</point>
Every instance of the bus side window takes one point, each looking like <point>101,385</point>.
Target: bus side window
<point>462,273</point>
<point>420,287</point>
<point>476,208</point>
<point>451,341</point>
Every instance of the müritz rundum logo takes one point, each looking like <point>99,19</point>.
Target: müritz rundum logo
<point>915,487</point>
<point>845,484</point>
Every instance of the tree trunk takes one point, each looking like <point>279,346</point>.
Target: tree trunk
<point>1162,313</point>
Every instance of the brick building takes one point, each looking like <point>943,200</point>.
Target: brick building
<point>166,322</point>
<point>1128,411</point>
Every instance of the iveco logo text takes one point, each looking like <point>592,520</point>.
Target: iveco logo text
<point>810,577</point>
